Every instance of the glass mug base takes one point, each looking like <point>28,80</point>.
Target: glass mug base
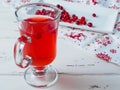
<point>41,78</point>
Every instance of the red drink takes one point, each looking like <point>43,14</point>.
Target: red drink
<point>43,33</point>
<point>36,46</point>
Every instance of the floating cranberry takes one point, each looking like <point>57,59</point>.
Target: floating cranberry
<point>38,35</point>
<point>90,24</point>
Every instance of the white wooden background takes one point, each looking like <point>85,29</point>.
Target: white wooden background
<point>78,69</point>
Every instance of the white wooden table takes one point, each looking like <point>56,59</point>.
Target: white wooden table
<point>93,75</point>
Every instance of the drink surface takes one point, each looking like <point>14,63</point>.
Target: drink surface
<point>43,33</point>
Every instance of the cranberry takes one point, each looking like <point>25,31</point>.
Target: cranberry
<point>69,20</point>
<point>81,21</point>
<point>74,17</point>
<point>103,56</point>
<point>38,12</point>
<point>63,12</point>
<point>78,22</point>
<point>65,16</point>
<point>48,12</point>
<point>90,24</point>
<point>84,22</point>
<point>113,51</point>
<point>43,12</point>
<point>94,15</point>
<point>83,18</point>
<point>94,2</point>
<point>60,7</point>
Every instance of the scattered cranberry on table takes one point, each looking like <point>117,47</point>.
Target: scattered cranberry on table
<point>67,17</point>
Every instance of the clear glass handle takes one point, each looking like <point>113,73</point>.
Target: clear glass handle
<point>20,60</point>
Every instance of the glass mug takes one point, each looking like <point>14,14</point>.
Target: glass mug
<point>36,47</point>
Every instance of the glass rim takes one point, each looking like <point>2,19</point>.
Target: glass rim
<point>42,4</point>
